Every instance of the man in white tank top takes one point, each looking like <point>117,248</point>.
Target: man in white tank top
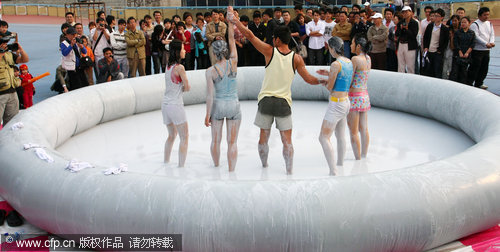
<point>275,96</point>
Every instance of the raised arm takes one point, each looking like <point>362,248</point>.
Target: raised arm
<point>210,94</point>
<point>265,49</point>
<point>233,54</point>
<point>301,69</point>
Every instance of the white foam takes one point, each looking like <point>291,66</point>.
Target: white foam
<point>397,140</point>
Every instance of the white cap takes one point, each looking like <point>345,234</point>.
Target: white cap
<point>377,15</point>
<point>367,3</point>
<point>406,8</point>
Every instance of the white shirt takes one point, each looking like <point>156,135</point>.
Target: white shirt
<point>423,26</point>
<point>103,42</point>
<point>484,34</point>
<point>391,24</point>
<point>328,30</point>
<point>160,23</point>
<point>316,42</point>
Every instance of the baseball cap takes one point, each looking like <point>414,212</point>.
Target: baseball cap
<point>366,3</point>
<point>377,15</point>
<point>406,8</point>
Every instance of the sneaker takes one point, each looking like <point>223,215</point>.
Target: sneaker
<point>483,87</point>
<point>14,219</point>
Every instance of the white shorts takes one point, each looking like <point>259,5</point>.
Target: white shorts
<point>337,111</point>
<point>173,113</point>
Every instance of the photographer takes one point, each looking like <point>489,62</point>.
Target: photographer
<point>9,103</point>
<point>71,50</point>
<point>109,69</point>
<point>100,37</point>
<point>407,31</point>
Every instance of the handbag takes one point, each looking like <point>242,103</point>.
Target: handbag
<point>300,48</point>
<point>86,61</point>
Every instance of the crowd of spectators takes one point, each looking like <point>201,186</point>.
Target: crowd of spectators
<point>457,49</point>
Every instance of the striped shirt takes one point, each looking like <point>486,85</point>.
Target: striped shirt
<point>119,44</point>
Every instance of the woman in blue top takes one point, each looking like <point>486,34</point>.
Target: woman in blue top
<point>221,80</point>
<point>339,81</point>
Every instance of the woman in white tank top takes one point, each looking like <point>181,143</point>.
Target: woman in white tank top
<point>172,106</point>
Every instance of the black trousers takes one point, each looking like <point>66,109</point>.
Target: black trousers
<point>435,67</point>
<point>77,79</point>
<point>379,60</point>
<point>148,64</point>
<point>459,71</point>
<point>392,60</point>
<point>315,56</point>
<point>478,68</point>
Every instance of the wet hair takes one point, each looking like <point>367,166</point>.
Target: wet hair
<point>175,52</point>
<point>465,17</point>
<point>389,10</point>
<point>482,10</point>
<point>244,18</point>
<point>362,40</point>
<point>337,44</point>
<point>220,49</point>
<point>122,21</point>
<point>283,33</point>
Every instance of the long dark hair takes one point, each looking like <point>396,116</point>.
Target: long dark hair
<point>175,52</point>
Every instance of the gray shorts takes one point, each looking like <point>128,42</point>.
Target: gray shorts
<point>264,121</point>
<point>229,109</point>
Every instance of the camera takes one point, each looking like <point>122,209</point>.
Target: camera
<point>10,47</point>
<point>79,40</point>
<point>101,25</point>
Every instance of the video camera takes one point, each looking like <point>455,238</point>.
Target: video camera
<point>10,47</point>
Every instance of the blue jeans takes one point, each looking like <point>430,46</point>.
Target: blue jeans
<point>347,49</point>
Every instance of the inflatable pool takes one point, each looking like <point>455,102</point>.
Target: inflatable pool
<point>410,209</point>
